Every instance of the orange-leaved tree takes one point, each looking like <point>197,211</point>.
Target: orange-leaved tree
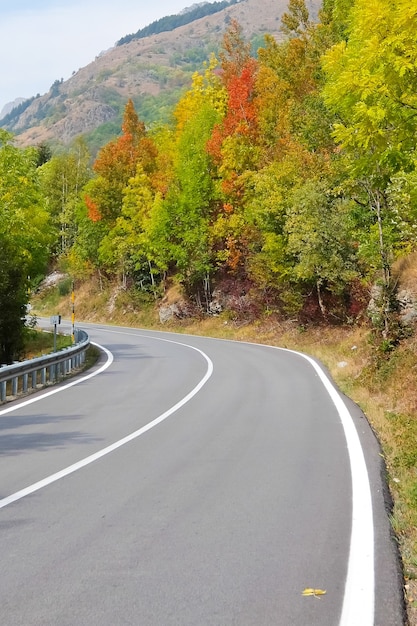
<point>116,163</point>
<point>234,149</point>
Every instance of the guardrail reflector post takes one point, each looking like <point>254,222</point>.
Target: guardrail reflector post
<point>73,313</point>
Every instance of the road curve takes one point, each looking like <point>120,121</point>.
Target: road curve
<point>194,481</point>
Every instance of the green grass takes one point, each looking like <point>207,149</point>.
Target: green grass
<point>38,343</point>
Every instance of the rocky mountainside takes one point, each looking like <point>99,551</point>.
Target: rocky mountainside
<point>8,108</point>
<point>152,71</point>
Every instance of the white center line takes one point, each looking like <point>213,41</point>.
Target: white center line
<point>18,495</point>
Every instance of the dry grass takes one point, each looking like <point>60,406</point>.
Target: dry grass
<point>406,270</point>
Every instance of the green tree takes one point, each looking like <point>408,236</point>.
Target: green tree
<point>63,178</point>
<point>189,203</point>
<point>25,239</point>
<point>319,231</point>
<point>24,220</point>
<point>372,87</point>
<point>13,301</point>
<point>125,248</point>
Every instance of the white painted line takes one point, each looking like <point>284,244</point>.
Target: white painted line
<point>58,389</point>
<point>118,444</point>
<point>359,598</point>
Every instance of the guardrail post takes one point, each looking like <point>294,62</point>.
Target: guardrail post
<point>3,391</point>
<point>15,384</point>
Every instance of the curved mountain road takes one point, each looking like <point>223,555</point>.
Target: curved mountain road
<point>194,482</point>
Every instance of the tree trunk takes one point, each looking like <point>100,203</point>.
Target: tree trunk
<point>375,197</point>
<point>207,291</point>
<point>100,279</point>
<point>319,298</point>
<point>152,279</point>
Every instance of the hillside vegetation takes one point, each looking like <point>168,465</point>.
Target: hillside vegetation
<point>171,22</point>
<point>280,197</point>
<point>153,71</point>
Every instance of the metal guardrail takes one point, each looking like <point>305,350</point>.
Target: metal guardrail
<point>26,376</point>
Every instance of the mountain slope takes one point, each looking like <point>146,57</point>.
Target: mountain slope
<point>8,108</point>
<point>152,71</point>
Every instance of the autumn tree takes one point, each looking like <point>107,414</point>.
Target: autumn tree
<point>116,163</point>
<point>289,100</point>
<point>184,215</point>
<point>297,20</point>
<point>234,149</point>
<point>238,77</point>
<point>295,138</point>
<point>336,14</point>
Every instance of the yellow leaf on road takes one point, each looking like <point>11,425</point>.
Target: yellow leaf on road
<point>314,592</point>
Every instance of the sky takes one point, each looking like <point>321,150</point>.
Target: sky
<point>45,40</point>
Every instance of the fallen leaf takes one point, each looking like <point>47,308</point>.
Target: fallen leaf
<point>314,592</point>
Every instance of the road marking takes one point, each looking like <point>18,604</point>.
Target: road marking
<point>118,444</point>
<point>359,596</point>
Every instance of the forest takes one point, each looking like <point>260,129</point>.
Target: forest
<point>171,22</point>
<point>286,178</point>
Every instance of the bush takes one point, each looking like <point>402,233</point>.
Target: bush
<point>65,286</point>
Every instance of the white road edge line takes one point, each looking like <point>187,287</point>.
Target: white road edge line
<point>118,444</point>
<point>359,596</point>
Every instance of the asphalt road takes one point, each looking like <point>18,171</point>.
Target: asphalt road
<point>193,482</point>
